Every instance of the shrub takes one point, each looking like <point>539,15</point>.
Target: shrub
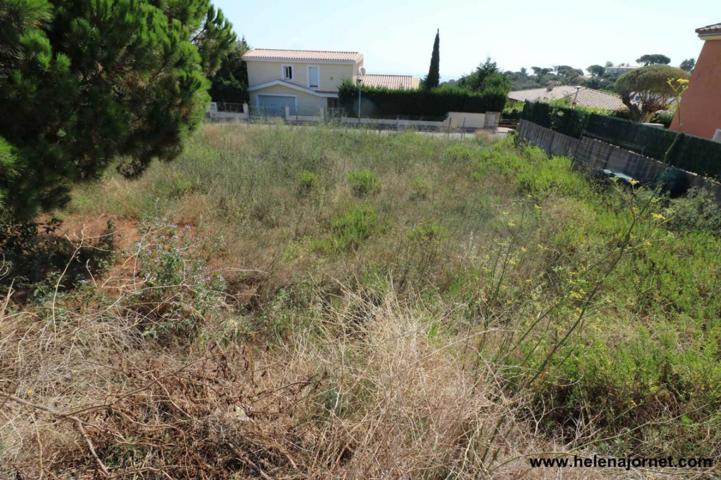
<point>306,182</point>
<point>673,181</point>
<point>420,188</point>
<point>363,183</point>
<point>434,103</point>
<point>353,227</point>
<point>696,211</point>
<point>178,290</point>
<point>664,117</point>
<point>513,111</point>
<point>427,233</point>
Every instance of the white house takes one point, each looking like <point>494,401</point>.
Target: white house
<point>307,81</point>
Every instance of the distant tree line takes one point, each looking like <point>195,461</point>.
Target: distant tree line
<point>598,77</point>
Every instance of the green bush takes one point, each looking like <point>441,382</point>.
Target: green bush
<point>433,104</point>
<point>427,233</point>
<point>664,117</point>
<point>673,181</point>
<point>306,182</point>
<point>363,183</point>
<point>353,227</point>
<point>178,291</point>
<point>420,189</point>
<point>697,211</point>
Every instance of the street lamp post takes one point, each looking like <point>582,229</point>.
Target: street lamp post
<point>575,98</point>
<point>359,81</point>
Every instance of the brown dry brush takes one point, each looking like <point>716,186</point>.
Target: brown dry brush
<point>89,389</point>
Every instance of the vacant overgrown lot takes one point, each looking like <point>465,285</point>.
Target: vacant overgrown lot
<point>320,303</point>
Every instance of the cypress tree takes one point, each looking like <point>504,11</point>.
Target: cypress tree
<point>433,78</point>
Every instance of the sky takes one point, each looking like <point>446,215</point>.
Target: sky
<point>396,37</point>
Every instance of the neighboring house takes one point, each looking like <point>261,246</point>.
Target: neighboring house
<point>397,82</point>
<point>583,96</point>
<point>700,112</point>
<point>307,81</point>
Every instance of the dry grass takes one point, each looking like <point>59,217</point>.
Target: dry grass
<point>385,400</point>
<point>372,393</point>
<point>236,335</point>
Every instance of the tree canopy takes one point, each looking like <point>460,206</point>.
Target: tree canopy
<point>84,82</point>
<point>230,83</point>
<point>486,77</point>
<point>596,70</point>
<point>648,89</point>
<point>688,65</point>
<point>653,59</point>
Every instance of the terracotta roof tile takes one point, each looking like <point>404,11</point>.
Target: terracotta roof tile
<point>586,96</point>
<point>271,54</point>
<point>407,82</point>
<point>709,30</point>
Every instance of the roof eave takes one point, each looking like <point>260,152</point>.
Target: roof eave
<point>710,35</point>
<point>313,61</point>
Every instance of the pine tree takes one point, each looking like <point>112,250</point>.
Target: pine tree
<point>230,83</point>
<point>90,80</point>
<point>433,78</point>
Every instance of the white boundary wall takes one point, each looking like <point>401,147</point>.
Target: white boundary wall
<point>453,120</point>
<point>213,114</point>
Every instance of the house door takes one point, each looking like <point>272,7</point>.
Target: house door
<point>274,105</point>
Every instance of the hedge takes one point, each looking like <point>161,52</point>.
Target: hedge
<point>432,104</point>
<point>650,141</point>
<point>698,155</point>
<point>538,113</point>
<point>565,120</point>
<point>569,121</point>
<point>693,154</point>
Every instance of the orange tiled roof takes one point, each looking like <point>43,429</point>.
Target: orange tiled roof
<point>709,30</point>
<point>586,96</point>
<point>271,54</point>
<point>407,82</point>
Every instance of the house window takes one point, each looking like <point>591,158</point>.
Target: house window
<point>287,72</point>
<point>313,76</point>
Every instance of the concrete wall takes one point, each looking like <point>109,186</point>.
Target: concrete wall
<point>592,155</point>
<point>552,142</point>
<point>701,104</point>
<point>467,120</point>
<point>331,75</point>
<point>474,121</point>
